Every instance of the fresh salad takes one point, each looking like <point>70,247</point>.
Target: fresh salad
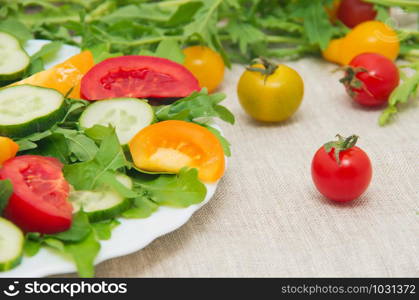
<point>126,125</point>
<point>90,141</point>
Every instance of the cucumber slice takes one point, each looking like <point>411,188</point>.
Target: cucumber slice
<point>13,59</point>
<point>127,115</point>
<point>11,245</point>
<point>26,109</point>
<point>102,205</point>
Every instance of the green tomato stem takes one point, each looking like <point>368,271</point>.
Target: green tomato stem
<point>340,145</point>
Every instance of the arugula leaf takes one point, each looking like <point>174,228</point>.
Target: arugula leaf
<point>37,59</point>
<point>54,243</point>
<point>204,23</point>
<point>67,145</point>
<point>98,132</point>
<point>94,173</point>
<point>16,28</point>
<point>79,242</point>
<point>184,13</point>
<point>245,34</point>
<point>181,190</point>
<point>31,247</point>
<point>79,145</point>
<point>28,142</point>
<point>54,145</point>
<point>318,28</point>
<point>170,49</point>
<point>103,229</point>
<point>78,231</point>
<point>401,95</point>
<point>84,254</point>
<point>198,107</point>
<point>102,51</point>
<point>142,208</point>
<point>147,11</point>
<point>224,143</point>
<point>47,50</point>
<point>6,190</point>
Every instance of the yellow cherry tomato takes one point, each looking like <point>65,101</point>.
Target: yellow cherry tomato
<point>8,149</point>
<point>367,37</point>
<point>206,65</point>
<point>270,98</point>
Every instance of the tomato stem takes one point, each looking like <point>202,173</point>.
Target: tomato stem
<point>340,145</point>
<point>268,67</point>
<point>351,82</point>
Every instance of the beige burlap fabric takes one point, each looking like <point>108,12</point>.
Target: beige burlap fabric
<point>267,219</point>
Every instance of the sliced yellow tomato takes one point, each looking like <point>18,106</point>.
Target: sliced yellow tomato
<point>171,145</point>
<point>8,149</point>
<point>64,76</point>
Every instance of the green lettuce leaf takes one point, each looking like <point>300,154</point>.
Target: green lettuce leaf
<point>198,107</point>
<point>6,190</point>
<point>181,190</point>
<point>84,254</point>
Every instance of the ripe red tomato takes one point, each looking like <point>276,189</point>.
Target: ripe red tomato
<point>340,170</point>
<point>370,78</point>
<point>354,12</point>
<point>39,200</point>
<point>138,77</point>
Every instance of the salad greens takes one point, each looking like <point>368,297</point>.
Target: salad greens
<point>93,157</point>
<point>6,190</point>
<point>238,29</point>
<point>406,91</point>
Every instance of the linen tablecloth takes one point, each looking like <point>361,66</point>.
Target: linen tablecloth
<point>267,218</point>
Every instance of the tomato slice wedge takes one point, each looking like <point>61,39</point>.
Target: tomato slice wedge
<point>64,76</point>
<point>40,191</point>
<point>171,145</point>
<point>138,76</point>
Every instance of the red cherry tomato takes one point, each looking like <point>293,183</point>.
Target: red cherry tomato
<point>39,200</point>
<point>354,12</point>
<point>340,170</point>
<point>370,78</point>
<point>138,77</point>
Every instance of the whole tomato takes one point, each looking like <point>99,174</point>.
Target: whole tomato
<point>340,170</point>
<point>367,37</point>
<point>206,65</point>
<point>354,12</point>
<point>370,78</point>
<point>269,92</point>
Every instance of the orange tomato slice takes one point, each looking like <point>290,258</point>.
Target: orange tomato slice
<point>63,76</point>
<point>171,145</point>
<point>8,149</point>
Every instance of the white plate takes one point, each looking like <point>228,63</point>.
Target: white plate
<point>131,236</point>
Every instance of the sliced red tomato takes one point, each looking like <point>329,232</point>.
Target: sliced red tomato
<point>40,191</point>
<point>138,77</point>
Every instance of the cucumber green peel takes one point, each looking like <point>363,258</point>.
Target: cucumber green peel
<point>13,59</point>
<point>11,245</point>
<point>26,109</point>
